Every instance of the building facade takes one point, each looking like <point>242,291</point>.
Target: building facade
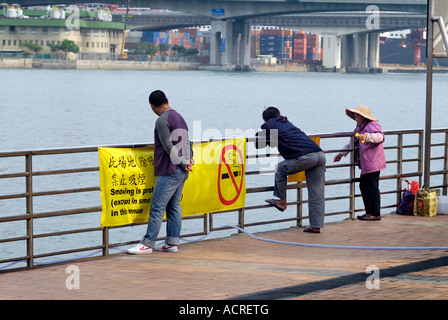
<point>91,31</point>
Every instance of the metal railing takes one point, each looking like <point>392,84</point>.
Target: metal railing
<point>30,235</point>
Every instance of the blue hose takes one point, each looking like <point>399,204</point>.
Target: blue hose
<point>334,246</point>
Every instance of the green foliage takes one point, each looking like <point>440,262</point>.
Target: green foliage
<point>146,48</point>
<point>163,47</point>
<point>69,46</point>
<point>66,46</point>
<point>31,46</point>
<point>183,51</point>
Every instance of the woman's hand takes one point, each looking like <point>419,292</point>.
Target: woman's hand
<point>337,157</point>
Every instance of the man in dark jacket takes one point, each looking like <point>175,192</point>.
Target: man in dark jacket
<point>300,153</point>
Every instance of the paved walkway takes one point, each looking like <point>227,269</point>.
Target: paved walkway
<point>248,268</point>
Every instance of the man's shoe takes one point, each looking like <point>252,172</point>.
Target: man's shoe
<point>369,217</point>
<point>167,248</point>
<point>140,249</point>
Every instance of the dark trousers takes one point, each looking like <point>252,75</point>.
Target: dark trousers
<point>369,186</point>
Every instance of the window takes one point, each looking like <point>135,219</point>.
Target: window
<point>95,32</point>
<point>2,29</point>
<point>12,29</point>
<point>55,30</point>
<point>66,31</point>
<point>44,30</point>
<point>33,30</point>
<point>23,30</point>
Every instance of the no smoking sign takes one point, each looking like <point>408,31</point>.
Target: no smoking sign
<point>230,174</point>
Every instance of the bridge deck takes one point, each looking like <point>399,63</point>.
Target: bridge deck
<point>242,265</point>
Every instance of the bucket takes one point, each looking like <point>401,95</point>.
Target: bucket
<point>443,205</point>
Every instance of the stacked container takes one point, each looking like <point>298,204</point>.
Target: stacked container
<point>299,46</point>
<point>180,38</point>
<point>155,37</point>
<point>277,43</point>
<point>312,49</point>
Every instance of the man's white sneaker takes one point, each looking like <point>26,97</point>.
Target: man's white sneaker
<point>167,248</point>
<point>140,249</point>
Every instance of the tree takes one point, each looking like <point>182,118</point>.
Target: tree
<point>191,52</point>
<point>183,51</point>
<point>180,49</point>
<point>31,47</point>
<point>147,48</point>
<point>163,47</point>
<point>66,46</point>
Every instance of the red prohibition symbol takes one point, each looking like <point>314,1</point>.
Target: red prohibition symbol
<point>239,188</point>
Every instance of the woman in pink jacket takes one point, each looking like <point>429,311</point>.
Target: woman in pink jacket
<point>369,143</point>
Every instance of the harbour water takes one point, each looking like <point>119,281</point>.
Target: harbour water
<point>41,109</point>
<point>66,108</point>
<point>63,108</point>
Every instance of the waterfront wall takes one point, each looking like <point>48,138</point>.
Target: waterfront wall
<point>280,68</point>
<point>16,63</point>
<point>93,64</point>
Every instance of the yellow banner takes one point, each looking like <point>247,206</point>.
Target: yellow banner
<point>217,182</point>
<point>126,183</point>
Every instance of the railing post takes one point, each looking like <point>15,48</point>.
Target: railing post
<point>352,181</point>
<point>445,165</point>
<point>29,210</point>
<point>105,241</point>
<point>420,156</point>
<point>241,219</point>
<point>399,166</point>
<point>299,204</point>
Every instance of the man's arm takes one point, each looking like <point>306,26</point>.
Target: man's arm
<point>166,139</point>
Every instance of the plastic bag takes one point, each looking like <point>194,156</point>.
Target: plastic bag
<point>425,203</point>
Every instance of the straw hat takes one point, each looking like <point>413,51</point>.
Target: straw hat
<point>363,111</point>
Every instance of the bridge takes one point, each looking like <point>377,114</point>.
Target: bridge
<point>339,28</point>
<point>231,19</point>
<point>168,20</point>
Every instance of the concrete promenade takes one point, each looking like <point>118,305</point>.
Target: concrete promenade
<point>242,267</point>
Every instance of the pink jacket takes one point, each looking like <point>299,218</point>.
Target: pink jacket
<point>371,152</point>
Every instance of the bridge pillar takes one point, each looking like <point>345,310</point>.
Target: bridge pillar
<point>230,43</point>
<point>361,52</point>
<point>374,50</point>
<point>331,51</point>
<point>348,51</point>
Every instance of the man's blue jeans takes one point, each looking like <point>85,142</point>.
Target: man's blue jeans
<point>166,197</point>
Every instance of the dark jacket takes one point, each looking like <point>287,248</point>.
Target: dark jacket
<point>292,142</point>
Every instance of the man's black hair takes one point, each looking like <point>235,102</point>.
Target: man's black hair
<point>270,112</point>
<point>157,98</point>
